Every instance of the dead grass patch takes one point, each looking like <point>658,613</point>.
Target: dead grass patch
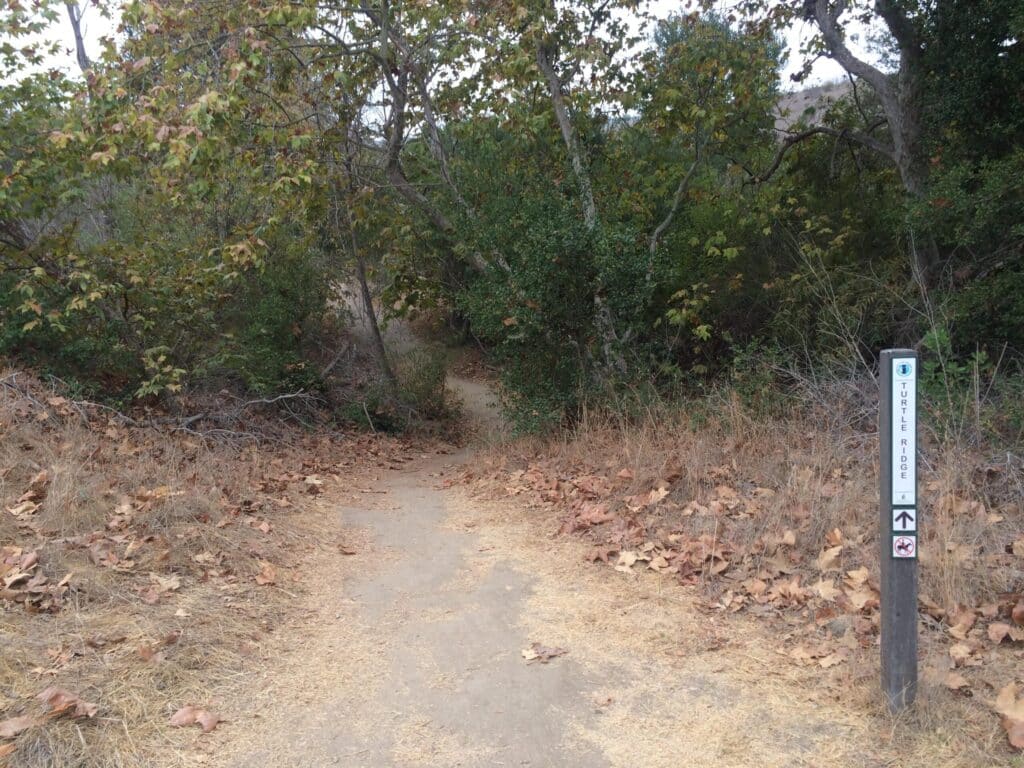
<point>172,563</point>
<point>776,520</point>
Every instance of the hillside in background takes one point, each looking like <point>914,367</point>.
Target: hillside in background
<point>810,104</point>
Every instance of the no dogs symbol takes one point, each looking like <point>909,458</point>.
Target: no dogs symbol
<point>904,547</point>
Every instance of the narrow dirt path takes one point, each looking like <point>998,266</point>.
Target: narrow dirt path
<point>410,654</point>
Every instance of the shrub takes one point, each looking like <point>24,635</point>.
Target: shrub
<point>422,373</point>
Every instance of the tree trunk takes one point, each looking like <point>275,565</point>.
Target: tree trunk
<point>579,168</point>
<point>75,15</point>
<point>603,321</point>
<point>901,98</point>
<point>377,339</point>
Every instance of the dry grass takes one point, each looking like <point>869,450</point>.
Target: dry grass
<point>687,685</point>
<point>123,509</point>
<point>821,474</point>
<point>676,685</point>
<point>824,476</point>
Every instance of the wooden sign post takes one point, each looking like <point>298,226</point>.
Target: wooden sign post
<point>899,525</point>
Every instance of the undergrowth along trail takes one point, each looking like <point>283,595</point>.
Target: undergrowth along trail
<point>467,632</point>
<point>767,529</point>
<point>143,571</point>
<point>385,603</point>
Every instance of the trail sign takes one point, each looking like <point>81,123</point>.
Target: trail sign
<point>903,404</point>
<point>904,547</point>
<point>898,524</point>
<point>904,520</point>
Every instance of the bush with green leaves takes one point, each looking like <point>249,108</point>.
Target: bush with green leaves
<point>168,310</point>
<point>537,310</point>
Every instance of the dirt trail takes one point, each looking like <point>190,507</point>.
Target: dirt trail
<point>410,654</point>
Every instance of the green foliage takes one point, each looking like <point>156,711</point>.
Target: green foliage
<point>420,397</point>
<point>988,314</point>
<point>599,212</point>
<point>968,397</point>
<point>538,316</point>
<point>754,378</point>
<point>143,236</point>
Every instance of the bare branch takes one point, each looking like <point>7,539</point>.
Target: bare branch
<point>840,133</point>
<point>900,26</point>
<point>437,148</point>
<point>677,199</point>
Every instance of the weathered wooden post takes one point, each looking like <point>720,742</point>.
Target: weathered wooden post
<point>899,525</point>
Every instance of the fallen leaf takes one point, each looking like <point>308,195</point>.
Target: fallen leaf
<point>39,482</point>
<point>184,716</point>
<point>642,500</point>
<point>541,653</point>
<point>658,563</point>
<point>189,715</point>
<point>23,508</point>
<point>101,641</point>
<point>789,591</point>
<point>207,720</point>
<point>832,659</point>
<point>755,587</point>
<point>827,590</point>
<point>829,559</point>
<point>955,681</point>
<point>1012,711</point>
<point>998,631</point>
<point>862,597</point>
<point>960,653</point>
<point>857,577</point>
<point>267,574</point>
<point>989,610</point>
<point>60,700</point>
<point>15,725</point>
<point>626,561</point>
<point>960,623</point>
<point>7,749</point>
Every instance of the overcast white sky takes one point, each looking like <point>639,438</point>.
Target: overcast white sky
<point>824,70</point>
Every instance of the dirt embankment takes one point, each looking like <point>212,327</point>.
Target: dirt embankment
<point>144,571</point>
